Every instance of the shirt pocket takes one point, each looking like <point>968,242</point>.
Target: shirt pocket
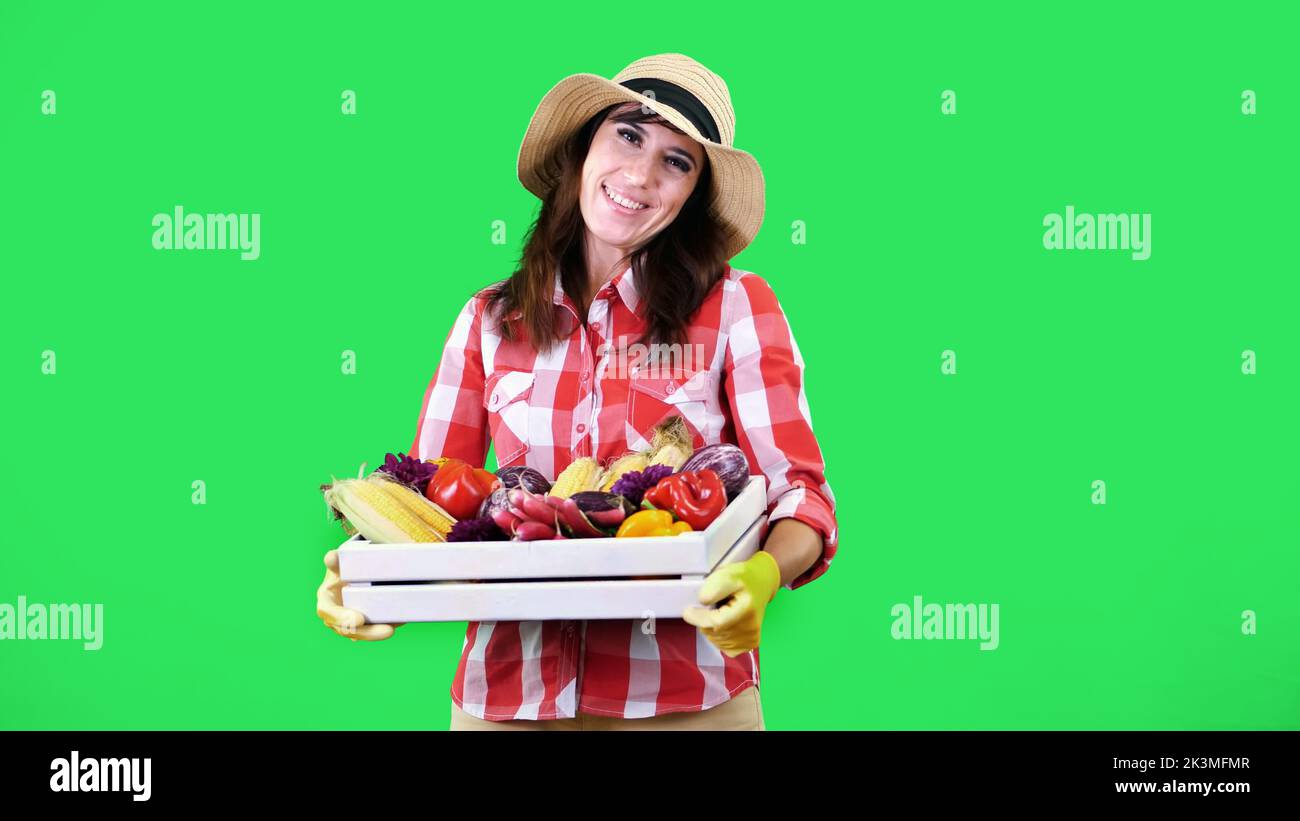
<point>654,400</point>
<point>506,397</point>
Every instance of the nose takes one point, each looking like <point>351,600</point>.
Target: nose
<point>637,170</point>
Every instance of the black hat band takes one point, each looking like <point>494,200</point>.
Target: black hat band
<point>679,98</point>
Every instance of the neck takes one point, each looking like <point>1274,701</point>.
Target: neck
<point>604,262</point>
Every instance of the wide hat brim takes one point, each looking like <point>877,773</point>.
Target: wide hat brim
<point>736,195</point>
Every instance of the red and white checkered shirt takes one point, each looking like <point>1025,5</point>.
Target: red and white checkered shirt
<point>739,380</point>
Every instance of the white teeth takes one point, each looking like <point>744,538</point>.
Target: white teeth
<point>636,206</point>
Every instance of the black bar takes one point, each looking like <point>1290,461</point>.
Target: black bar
<point>332,769</point>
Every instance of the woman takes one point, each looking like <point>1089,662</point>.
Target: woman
<point>644,200</point>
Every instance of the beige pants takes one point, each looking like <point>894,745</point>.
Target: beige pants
<point>744,711</point>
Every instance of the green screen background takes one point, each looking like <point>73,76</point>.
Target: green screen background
<point>924,233</point>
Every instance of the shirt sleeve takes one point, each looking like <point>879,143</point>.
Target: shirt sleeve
<point>453,421</point>
<point>764,385</point>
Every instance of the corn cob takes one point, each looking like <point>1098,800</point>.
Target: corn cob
<point>431,514</point>
<point>380,518</point>
<point>621,465</point>
<point>672,444</point>
<point>580,475</point>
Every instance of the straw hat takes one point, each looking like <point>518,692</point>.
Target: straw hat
<point>685,94</point>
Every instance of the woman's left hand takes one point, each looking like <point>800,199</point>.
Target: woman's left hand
<point>735,627</point>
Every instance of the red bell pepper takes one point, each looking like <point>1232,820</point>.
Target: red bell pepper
<point>460,488</point>
<point>696,496</point>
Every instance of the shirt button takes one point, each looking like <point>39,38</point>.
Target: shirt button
<point>584,377</point>
<point>595,326</point>
<point>496,397</point>
<point>581,428</point>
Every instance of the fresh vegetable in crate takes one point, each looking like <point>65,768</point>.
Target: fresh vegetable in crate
<point>385,511</point>
<point>408,470</point>
<point>623,465</point>
<point>696,497</point>
<point>529,516</point>
<point>672,444</point>
<point>519,476</point>
<point>581,474</point>
<point>460,488</point>
<point>496,501</point>
<point>728,461</point>
<point>651,523</point>
<point>593,513</point>
<point>633,485</point>
<point>587,514</point>
<point>482,529</point>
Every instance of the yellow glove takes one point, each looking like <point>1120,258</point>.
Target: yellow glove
<point>345,621</point>
<point>734,628</point>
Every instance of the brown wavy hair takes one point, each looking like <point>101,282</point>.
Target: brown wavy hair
<point>674,271</point>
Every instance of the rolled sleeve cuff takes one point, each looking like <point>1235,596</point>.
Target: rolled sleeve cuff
<point>812,508</point>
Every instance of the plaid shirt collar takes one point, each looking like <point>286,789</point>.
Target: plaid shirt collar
<point>624,285</point>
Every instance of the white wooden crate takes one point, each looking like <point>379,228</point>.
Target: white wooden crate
<point>560,579</point>
<point>537,600</point>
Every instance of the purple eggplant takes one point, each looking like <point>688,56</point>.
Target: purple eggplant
<point>728,461</point>
<point>577,522</point>
<point>593,500</point>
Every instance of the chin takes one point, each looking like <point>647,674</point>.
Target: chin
<point>615,241</point>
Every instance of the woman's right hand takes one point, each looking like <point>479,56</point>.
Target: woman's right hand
<point>342,620</point>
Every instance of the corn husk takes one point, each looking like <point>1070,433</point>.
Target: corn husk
<point>672,444</point>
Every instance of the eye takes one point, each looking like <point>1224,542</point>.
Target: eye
<point>636,140</point>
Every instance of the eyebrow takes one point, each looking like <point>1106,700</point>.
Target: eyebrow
<point>675,150</point>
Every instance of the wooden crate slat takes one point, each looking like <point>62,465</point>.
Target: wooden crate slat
<point>522,601</point>
<point>660,556</point>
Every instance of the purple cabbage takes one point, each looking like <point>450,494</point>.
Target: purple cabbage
<point>633,484</point>
<point>496,501</point>
<point>531,480</point>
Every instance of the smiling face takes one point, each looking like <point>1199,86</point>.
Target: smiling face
<point>649,169</point>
